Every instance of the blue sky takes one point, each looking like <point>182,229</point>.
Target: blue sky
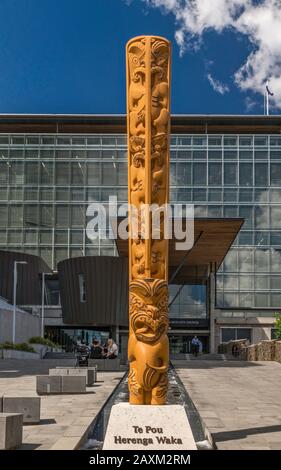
<point>68,56</point>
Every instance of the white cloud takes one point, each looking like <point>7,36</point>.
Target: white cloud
<point>219,87</point>
<point>259,20</point>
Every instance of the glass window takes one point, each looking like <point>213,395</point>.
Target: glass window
<point>121,169</point>
<point>77,216</point>
<point>245,260</point>
<point>260,140</point>
<point>246,174</point>
<point>184,141</point>
<point>46,215</point>
<point>275,238</point>
<point>199,154</point>
<point>62,173</point>
<point>245,141</point>
<point>215,174</point>
<point>261,154</point>
<point>62,194</point>
<point>62,216</point>
<point>228,334</point>
<point>199,195</point>
<point>247,213</point>
<point>275,282</point>
<point>215,154</point>
<point>230,154</point>
<point>261,282</point>
<point>77,173</point>
<point>230,141</point>
<point>262,217</point>
<point>261,174</point>
<point>93,173</point>
<point>32,153</point>
<point>275,141</point>
<point>245,238</point>
<point>199,140</point>
<point>261,260</point>
<point>230,173</point>
<point>246,154</point>
<point>15,216</point>
<point>17,173</point>
<point>46,194</point>
<point>275,219</point>
<point>47,173</point>
<point>199,173</point>
<point>215,140</point>
<point>3,193</point>
<point>184,154</point>
<point>31,215</point>
<point>275,155</point>
<point>244,333</point>
<point>275,174</point>
<point>82,287</point>
<point>61,237</point>
<point>215,195</point>
<point>230,211</point>
<point>183,173</point>
<point>31,172</point>
<point>109,174</point>
<point>76,237</point>
<point>31,194</point>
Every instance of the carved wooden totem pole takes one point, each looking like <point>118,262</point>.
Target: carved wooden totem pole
<point>148,124</point>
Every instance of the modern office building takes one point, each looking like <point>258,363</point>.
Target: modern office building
<point>229,286</point>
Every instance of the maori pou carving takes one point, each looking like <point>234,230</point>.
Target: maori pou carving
<point>148,127</point>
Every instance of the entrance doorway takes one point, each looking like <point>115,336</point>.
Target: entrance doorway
<point>181,343</point>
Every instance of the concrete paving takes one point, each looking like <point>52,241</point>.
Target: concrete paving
<point>239,402</point>
<point>64,418</point>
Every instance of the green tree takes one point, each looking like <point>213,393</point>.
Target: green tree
<point>278,326</point>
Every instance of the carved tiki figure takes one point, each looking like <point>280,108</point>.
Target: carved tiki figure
<point>148,127</point>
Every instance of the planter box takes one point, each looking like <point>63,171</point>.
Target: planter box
<point>14,354</point>
<point>40,349</point>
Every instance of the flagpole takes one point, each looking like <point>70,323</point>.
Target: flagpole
<point>267,99</point>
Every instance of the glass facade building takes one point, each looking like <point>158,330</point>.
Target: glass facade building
<point>47,182</point>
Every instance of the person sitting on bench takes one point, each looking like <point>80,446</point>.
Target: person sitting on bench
<point>96,350</point>
<point>112,349</point>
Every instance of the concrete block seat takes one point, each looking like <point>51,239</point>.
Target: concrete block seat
<point>48,384</point>
<point>56,384</point>
<point>10,430</point>
<point>28,406</point>
<point>88,372</point>
<point>105,364</point>
<point>73,384</point>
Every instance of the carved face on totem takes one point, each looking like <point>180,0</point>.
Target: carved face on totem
<point>149,309</point>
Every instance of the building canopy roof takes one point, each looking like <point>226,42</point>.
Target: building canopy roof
<point>212,241</point>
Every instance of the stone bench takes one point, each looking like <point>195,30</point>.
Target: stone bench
<point>57,384</point>
<point>89,373</point>
<point>28,406</point>
<point>10,430</point>
<point>105,364</point>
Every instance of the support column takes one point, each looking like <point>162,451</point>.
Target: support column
<point>148,128</point>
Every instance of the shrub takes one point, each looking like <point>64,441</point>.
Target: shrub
<point>44,341</point>
<point>18,347</point>
<point>278,326</point>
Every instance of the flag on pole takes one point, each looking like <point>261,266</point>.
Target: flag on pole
<point>268,91</point>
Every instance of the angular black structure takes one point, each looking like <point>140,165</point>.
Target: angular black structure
<point>29,277</point>
<point>94,290</point>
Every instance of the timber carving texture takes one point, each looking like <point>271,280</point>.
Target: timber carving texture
<point>148,124</point>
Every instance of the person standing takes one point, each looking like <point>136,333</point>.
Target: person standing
<point>195,346</point>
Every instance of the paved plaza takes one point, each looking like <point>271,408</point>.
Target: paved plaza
<point>238,401</point>
<point>64,418</point>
